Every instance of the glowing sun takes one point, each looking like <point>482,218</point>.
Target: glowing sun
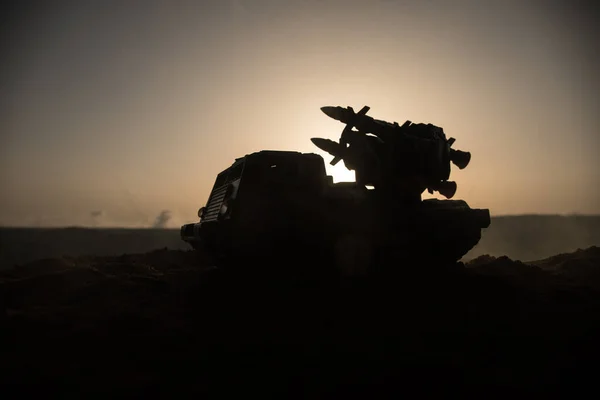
<point>339,172</point>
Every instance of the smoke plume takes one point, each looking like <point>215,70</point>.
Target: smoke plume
<point>97,217</point>
<point>162,219</point>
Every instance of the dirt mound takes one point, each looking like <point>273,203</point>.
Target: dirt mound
<point>581,263</point>
<point>165,320</point>
<point>144,265</point>
<point>581,267</point>
<point>76,285</point>
<point>52,281</point>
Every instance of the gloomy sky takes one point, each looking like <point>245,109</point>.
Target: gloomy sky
<point>121,113</point>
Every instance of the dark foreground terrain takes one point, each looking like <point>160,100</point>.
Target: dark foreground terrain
<point>165,324</point>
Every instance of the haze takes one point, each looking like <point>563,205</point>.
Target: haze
<point>122,113</point>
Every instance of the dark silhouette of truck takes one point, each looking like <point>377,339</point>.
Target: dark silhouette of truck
<point>282,206</point>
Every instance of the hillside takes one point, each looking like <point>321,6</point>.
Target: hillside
<point>533,237</point>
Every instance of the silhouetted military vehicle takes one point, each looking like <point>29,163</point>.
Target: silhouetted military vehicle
<point>273,204</point>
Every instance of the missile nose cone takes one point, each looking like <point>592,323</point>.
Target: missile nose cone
<point>321,143</point>
<point>327,145</point>
<point>329,111</point>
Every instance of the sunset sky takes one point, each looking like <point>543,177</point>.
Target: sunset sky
<point>113,112</point>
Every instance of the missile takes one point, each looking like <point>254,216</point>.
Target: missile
<point>460,158</point>
<point>331,147</point>
<point>360,120</point>
<point>337,113</point>
<point>345,115</point>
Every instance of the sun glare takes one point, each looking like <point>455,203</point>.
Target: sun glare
<point>340,173</point>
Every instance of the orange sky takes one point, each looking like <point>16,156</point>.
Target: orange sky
<point>131,110</point>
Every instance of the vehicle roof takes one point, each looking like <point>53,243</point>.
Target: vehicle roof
<point>276,154</point>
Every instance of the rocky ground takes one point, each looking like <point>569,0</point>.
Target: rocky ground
<point>166,324</point>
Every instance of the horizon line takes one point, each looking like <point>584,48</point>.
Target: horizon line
<point>193,222</point>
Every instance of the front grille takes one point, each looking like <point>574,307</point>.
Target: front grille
<point>215,201</point>
<point>214,204</point>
